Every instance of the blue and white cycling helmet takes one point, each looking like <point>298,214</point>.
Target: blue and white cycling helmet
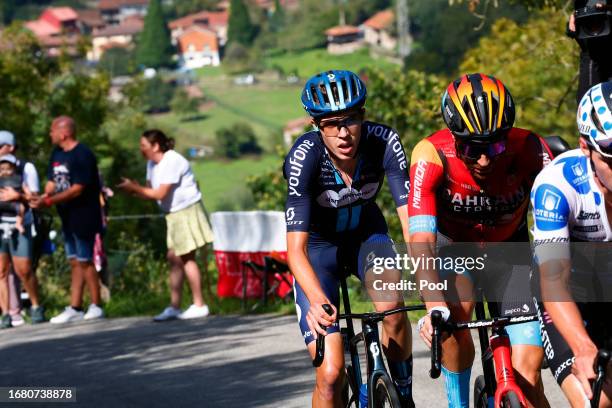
<point>594,118</point>
<point>333,91</point>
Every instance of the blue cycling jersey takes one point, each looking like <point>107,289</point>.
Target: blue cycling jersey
<point>319,201</point>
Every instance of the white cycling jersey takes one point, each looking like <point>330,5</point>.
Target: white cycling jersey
<point>567,204</point>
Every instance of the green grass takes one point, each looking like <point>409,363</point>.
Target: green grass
<point>266,106</point>
<point>308,63</point>
<point>223,183</point>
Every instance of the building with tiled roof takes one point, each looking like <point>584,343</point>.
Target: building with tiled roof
<point>56,28</point>
<point>343,39</point>
<point>89,20</point>
<point>121,35</point>
<point>378,28</point>
<point>213,20</point>
<point>54,21</point>
<point>198,47</point>
<point>115,11</point>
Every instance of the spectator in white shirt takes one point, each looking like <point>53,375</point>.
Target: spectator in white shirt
<point>172,184</point>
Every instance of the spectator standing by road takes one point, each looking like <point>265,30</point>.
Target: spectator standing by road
<point>595,44</point>
<point>74,187</point>
<point>172,184</point>
<point>16,250</point>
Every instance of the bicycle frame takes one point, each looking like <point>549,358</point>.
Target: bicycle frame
<point>370,336</point>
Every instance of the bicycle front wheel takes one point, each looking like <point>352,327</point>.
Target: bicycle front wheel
<point>480,393</point>
<point>385,394</point>
<point>511,400</point>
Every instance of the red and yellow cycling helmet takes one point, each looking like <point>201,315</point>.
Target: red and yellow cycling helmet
<point>478,108</point>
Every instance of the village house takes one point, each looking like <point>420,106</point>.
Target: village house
<point>111,36</point>
<point>114,12</point>
<point>89,20</point>
<point>217,21</point>
<point>377,30</point>
<point>57,28</point>
<point>198,47</point>
<point>295,127</point>
<point>343,39</point>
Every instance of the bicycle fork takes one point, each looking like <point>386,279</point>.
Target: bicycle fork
<point>500,346</point>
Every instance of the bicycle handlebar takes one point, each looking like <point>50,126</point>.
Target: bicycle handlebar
<point>372,316</point>
<point>440,326</point>
<point>378,316</point>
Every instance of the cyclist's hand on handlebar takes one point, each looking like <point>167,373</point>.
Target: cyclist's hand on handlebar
<point>425,327</point>
<point>318,319</point>
<point>583,369</point>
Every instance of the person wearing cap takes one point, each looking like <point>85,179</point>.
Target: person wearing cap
<point>73,186</point>
<point>17,251</point>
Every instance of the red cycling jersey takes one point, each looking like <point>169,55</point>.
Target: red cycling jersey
<point>445,197</point>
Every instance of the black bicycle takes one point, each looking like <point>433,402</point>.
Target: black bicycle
<point>381,389</point>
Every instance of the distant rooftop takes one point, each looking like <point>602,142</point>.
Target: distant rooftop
<point>342,30</point>
<point>212,18</point>
<point>116,4</point>
<point>380,20</point>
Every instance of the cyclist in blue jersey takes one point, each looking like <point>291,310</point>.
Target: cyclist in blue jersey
<point>333,175</point>
<point>572,202</point>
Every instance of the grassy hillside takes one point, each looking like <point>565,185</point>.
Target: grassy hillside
<point>223,182</point>
<point>308,63</point>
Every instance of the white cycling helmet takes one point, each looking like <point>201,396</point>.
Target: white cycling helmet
<point>594,118</point>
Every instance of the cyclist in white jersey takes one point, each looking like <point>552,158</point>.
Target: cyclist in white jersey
<point>572,202</point>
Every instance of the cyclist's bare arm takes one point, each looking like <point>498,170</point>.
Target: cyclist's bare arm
<point>299,265</point>
<point>567,318</point>
<point>402,213</point>
<point>426,175</point>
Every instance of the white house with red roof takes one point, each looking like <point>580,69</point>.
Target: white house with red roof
<point>216,21</point>
<point>377,30</point>
<point>198,47</point>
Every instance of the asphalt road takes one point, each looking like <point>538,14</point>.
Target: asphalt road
<point>235,361</point>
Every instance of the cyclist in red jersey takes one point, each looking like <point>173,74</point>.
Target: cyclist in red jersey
<point>471,183</point>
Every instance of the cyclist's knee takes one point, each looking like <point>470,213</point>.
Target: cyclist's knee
<point>395,322</point>
<point>527,361</point>
<point>329,378</point>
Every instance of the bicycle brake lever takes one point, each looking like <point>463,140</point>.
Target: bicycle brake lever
<point>320,346</point>
<point>436,346</point>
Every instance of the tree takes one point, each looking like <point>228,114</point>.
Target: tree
<point>7,10</point>
<point>183,7</point>
<point>237,140</point>
<point>182,104</point>
<point>156,95</point>
<point>440,51</point>
<point>277,20</point>
<point>240,28</point>
<point>154,48</point>
<point>117,61</point>
<point>538,65</point>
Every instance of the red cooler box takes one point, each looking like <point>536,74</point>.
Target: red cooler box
<point>246,236</point>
